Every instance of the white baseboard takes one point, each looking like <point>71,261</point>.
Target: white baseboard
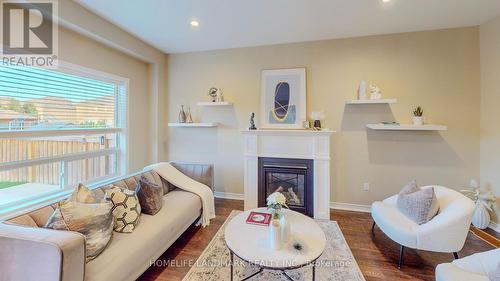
<point>350,207</point>
<point>228,195</point>
<point>495,226</point>
<point>333,205</point>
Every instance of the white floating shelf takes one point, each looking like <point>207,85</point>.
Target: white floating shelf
<point>208,103</point>
<point>379,101</point>
<point>194,125</point>
<point>406,127</point>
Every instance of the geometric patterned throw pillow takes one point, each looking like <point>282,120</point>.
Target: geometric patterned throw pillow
<point>126,208</point>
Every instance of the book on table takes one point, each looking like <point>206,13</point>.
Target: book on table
<point>259,218</point>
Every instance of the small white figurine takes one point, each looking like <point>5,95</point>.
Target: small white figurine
<point>220,96</point>
<point>362,90</point>
<point>375,92</point>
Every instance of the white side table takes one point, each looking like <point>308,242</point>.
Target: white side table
<point>250,243</point>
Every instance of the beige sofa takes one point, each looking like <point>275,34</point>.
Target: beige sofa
<point>30,252</point>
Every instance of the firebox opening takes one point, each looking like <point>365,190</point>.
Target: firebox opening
<point>292,177</point>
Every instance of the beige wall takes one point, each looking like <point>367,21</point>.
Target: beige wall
<point>437,69</point>
<point>91,41</point>
<point>153,146</point>
<point>490,112</point>
<point>80,50</point>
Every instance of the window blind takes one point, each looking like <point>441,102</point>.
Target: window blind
<point>41,99</point>
<point>58,128</point>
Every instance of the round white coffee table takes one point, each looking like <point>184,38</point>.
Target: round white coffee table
<point>251,244</point>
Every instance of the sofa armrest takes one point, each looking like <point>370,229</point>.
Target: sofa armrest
<point>203,173</point>
<point>31,253</point>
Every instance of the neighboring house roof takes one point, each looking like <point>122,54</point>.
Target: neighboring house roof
<point>101,108</point>
<point>55,108</point>
<point>48,103</point>
<point>61,112</point>
<point>7,114</point>
<point>104,103</point>
<point>5,100</point>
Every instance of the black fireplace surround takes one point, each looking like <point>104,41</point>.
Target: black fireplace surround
<point>292,177</point>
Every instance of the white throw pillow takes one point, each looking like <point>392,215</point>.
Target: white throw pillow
<point>420,205</point>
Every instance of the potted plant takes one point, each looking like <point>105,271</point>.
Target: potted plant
<point>418,119</point>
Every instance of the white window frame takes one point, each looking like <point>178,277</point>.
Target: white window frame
<point>122,150</point>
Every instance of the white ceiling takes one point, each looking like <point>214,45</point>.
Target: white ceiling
<point>243,23</point>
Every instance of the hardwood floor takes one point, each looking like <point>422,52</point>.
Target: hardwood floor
<point>487,235</point>
<point>375,253</point>
<point>175,262</point>
<point>492,233</point>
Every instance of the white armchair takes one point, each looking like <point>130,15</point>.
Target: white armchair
<point>446,232</point>
<point>472,268</point>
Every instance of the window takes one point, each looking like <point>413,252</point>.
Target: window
<point>58,129</point>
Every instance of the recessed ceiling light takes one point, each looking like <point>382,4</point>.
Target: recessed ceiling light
<point>195,23</point>
<point>386,1</point>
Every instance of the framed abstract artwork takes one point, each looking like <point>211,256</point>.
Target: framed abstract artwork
<point>283,98</point>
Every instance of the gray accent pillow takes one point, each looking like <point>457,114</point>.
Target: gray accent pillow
<point>419,205</point>
<point>495,274</point>
<point>150,196</point>
<point>88,215</point>
<point>153,177</point>
<point>94,221</point>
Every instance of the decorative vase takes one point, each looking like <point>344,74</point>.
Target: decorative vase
<point>285,229</point>
<point>275,234</point>
<point>182,115</point>
<point>481,216</point>
<point>189,118</point>
<point>362,90</point>
<point>276,214</point>
<point>418,120</point>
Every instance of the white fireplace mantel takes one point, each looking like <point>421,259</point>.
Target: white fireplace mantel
<point>301,144</point>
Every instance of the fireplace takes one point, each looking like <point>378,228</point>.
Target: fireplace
<point>285,145</point>
<point>292,177</point>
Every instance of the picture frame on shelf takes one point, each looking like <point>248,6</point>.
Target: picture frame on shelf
<point>283,98</point>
